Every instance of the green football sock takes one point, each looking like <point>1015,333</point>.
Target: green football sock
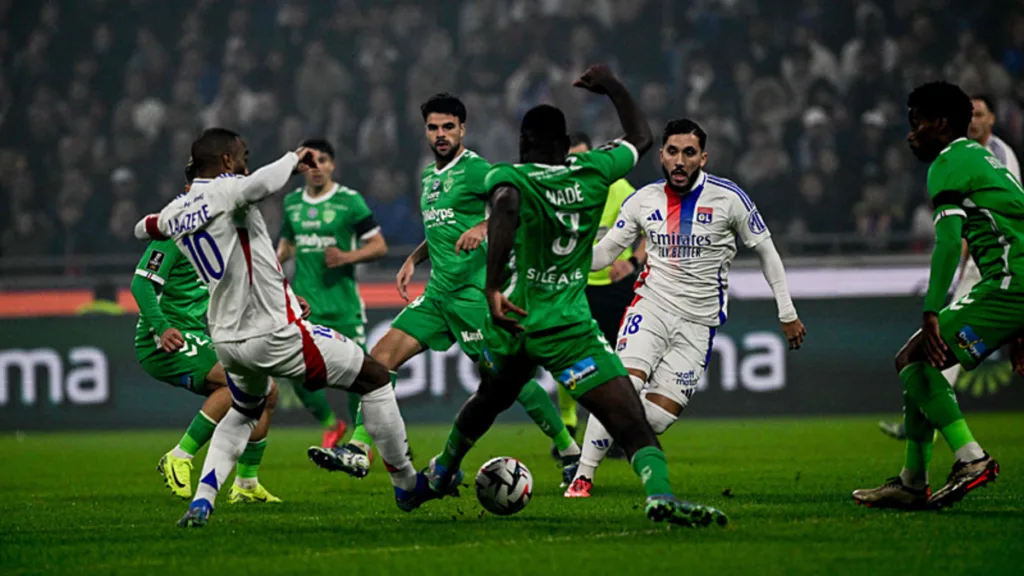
<point>920,436</point>
<point>198,434</point>
<point>650,465</point>
<point>249,461</point>
<point>455,449</point>
<point>316,402</point>
<point>926,387</point>
<point>568,408</point>
<point>542,411</point>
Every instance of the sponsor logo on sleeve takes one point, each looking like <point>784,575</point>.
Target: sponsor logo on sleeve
<point>155,260</point>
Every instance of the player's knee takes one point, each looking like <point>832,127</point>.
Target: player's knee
<point>659,418</point>
<point>372,376</point>
<point>638,378</point>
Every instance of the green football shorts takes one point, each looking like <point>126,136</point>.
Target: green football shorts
<point>187,368</point>
<point>437,323</point>
<point>980,323</point>
<point>578,356</point>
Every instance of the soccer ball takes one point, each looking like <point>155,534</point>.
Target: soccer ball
<point>504,486</point>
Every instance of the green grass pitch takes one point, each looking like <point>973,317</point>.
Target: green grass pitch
<point>91,503</point>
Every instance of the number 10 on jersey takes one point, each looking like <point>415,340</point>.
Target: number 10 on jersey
<point>205,255</point>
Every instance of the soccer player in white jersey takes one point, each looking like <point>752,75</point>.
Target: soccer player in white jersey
<point>690,221</point>
<point>255,319</point>
<point>983,118</point>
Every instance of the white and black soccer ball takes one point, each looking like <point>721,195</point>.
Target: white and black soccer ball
<point>504,486</point>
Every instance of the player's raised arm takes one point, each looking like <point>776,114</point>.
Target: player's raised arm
<point>620,237</point>
<point>599,79</point>
<point>501,234</point>
<point>272,177</point>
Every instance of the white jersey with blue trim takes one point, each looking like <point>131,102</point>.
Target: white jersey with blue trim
<point>225,238</point>
<point>691,243</point>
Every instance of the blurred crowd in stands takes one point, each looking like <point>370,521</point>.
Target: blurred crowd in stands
<point>803,100</point>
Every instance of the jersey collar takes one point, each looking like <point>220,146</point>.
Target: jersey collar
<point>450,164</point>
<point>950,146</point>
<point>322,198</point>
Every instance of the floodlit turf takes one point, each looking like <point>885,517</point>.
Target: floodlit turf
<point>92,504</point>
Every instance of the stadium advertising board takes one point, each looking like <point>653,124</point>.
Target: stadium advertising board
<point>81,372</point>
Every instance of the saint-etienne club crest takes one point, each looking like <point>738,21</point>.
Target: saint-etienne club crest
<point>329,216</point>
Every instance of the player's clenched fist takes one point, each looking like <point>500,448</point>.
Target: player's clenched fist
<point>500,307</point>
<point>307,160</point>
<point>596,79</point>
<point>794,332</point>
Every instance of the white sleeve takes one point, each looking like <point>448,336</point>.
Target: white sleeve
<point>775,274</point>
<point>746,221</point>
<point>265,181</point>
<point>1012,164</point>
<point>621,236</point>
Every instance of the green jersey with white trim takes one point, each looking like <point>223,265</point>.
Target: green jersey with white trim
<point>560,211</point>
<point>338,218</point>
<point>967,181</point>
<point>453,200</point>
<point>183,298</point>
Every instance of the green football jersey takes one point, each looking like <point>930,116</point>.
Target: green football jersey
<point>183,298</point>
<point>337,218</point>
<point>453,200</point>
<point>967,180</point>
<point>559,215</point>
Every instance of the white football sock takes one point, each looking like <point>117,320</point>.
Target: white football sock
<point>596,443</point>
<point>571,450</point>
<point>246,483</point>
<point>916,479</point>
<point>384,423</point>
<point>226,446</point>
<point>951,374</point>
<point>970,452</point>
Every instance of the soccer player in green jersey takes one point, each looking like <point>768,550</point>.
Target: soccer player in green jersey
<point>975,197</point>
<point>453,308</point>
<point>328,229</point>
<point>547,209</point>
<point>172,346</point>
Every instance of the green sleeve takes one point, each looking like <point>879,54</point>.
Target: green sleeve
<point>287,232</point>
<point>945,259</point>
<point>500,174</point>
<point>364,224</point>
<point>613,160</point>
<point>153,270</point>
<point>476,179</point>
<point>947,182</point>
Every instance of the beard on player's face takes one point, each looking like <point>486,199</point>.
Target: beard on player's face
<point>445,147</point>
<point>673,177</point>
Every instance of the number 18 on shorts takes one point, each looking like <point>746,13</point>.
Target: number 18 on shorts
<point>672,352</point>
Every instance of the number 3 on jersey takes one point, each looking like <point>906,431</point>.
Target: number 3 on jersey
<point>205,255</point>
<point>564,246</point>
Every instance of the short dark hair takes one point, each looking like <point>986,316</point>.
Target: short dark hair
<point>444,103</point>
<point>577,138</point>
<point>990,103</point>
<point>542,122</point>
<point>685,126</point>
<point>936,100</point>
<point>320,145</point>
<point>210,146</point>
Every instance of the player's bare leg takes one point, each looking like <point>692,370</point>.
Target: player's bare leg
<point>660,411</point>
<point>930,404</point>
<point>496,393</point>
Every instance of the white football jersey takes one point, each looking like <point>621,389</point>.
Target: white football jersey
<point>225,238</point>
<point>691,243</point>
